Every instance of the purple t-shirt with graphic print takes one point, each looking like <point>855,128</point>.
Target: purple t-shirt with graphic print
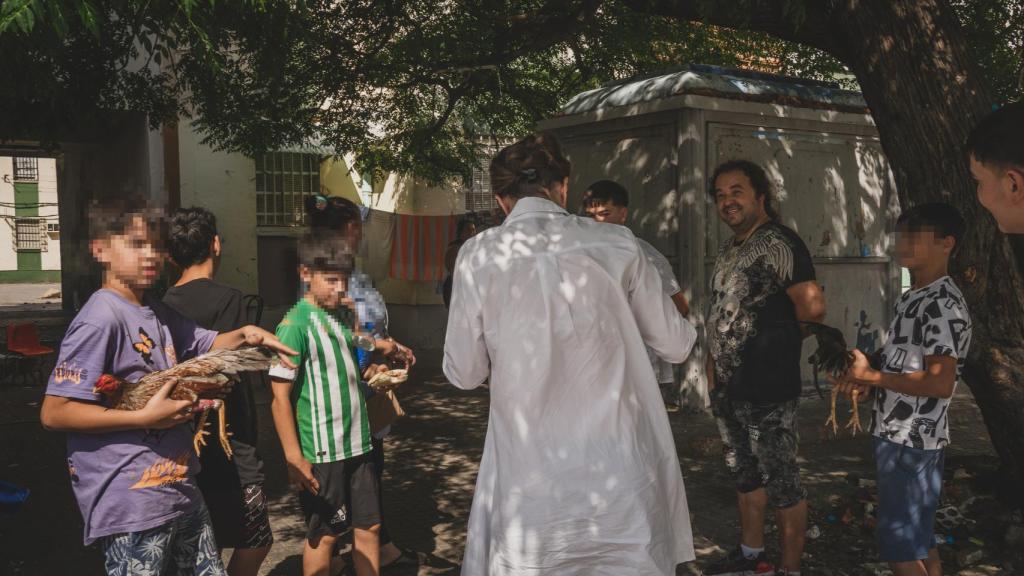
<point>131,480</point>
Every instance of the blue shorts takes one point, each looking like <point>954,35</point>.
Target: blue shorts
<point>909,484</point>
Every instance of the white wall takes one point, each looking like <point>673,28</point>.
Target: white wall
<point>47,194</point>
<point>224,184</point>
<point>8,258</point>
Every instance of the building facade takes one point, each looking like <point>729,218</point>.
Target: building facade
<point>30,232</point>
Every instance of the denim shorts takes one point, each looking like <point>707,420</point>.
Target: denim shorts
<point>909,484</point>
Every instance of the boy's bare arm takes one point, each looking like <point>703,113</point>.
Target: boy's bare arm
<point>254,336</point>
<point>300,471</point>
<point>937,380</point>
<point>71,415</point>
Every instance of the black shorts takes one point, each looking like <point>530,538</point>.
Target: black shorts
<point>239,517</point>
<point>761,448</point>
<point>349,497</point>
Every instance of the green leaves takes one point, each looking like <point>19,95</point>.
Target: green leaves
<point>407,85</point>
<point>18,14</point>
<point>89,18</point>
<point>23,16</point>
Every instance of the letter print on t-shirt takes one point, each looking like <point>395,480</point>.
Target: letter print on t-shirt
<point>930,321</point>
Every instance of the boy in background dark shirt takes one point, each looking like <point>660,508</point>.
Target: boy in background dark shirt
<point>233,489</point>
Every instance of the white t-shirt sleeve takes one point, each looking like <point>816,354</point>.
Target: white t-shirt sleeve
<point>669,283</point>
<point>663,328</point>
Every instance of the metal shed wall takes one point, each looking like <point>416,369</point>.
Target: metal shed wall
<point>834,189</point>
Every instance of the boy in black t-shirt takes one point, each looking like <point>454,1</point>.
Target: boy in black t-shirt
<point>762,285</point>
<point>233,489</point>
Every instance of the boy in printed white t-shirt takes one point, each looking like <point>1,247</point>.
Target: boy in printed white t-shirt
<point>923,356</point>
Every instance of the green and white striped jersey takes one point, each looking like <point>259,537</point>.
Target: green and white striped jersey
<point>329,406</point>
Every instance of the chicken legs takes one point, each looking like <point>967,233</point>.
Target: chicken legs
<point>199,439</point>
<point>854,423</point>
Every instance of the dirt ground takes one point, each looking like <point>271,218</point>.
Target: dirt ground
<point>432,460</point>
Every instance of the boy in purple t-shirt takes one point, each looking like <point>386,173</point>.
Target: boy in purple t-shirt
<point>133,472</point>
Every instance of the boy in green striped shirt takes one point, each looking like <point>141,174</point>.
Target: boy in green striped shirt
<point>321,416</point>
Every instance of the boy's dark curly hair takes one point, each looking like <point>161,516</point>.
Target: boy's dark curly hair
<point>191,235</point>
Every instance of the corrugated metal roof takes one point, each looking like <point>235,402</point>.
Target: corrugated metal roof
<point>719,82</point>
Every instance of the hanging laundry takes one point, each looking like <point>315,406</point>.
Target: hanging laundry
<point>417,253</point>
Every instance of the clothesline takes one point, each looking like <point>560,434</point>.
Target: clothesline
<point>415,244</point>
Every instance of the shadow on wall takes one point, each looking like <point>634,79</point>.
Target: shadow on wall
<point>834,188</point>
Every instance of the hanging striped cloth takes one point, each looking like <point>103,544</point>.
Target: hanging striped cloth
<point>417,253</point>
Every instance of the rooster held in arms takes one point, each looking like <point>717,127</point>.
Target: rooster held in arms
<point>834,358</point>
<point>201,380</point>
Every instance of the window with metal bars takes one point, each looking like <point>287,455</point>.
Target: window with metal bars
<point>283,180</point>
<point>26,169</point>
<point>28,235</point>
<point>479,197</point>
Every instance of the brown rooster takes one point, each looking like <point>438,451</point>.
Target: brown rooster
<point>201,380</point>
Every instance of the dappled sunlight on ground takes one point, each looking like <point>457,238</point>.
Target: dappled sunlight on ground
<point>432,460</point>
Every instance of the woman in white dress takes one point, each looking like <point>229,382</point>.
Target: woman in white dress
<point>579,473</point>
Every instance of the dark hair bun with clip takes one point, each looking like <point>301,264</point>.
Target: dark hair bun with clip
<point>529,167</point>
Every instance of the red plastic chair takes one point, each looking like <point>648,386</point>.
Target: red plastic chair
<point>23,343</point>
<point>24,339</point>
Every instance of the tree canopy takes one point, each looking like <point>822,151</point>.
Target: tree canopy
<point>406,86</point>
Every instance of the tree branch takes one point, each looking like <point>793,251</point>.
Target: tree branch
<point>454,95</point>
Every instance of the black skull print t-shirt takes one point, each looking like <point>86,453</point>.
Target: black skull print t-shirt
<point>929,321</point>
<point>752,332</point>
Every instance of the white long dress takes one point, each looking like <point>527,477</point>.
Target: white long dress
<point>579,473</point>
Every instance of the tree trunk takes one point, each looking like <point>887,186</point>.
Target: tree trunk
<point>925,95</point>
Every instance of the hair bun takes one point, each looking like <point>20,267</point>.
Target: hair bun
<point>529,167</point>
